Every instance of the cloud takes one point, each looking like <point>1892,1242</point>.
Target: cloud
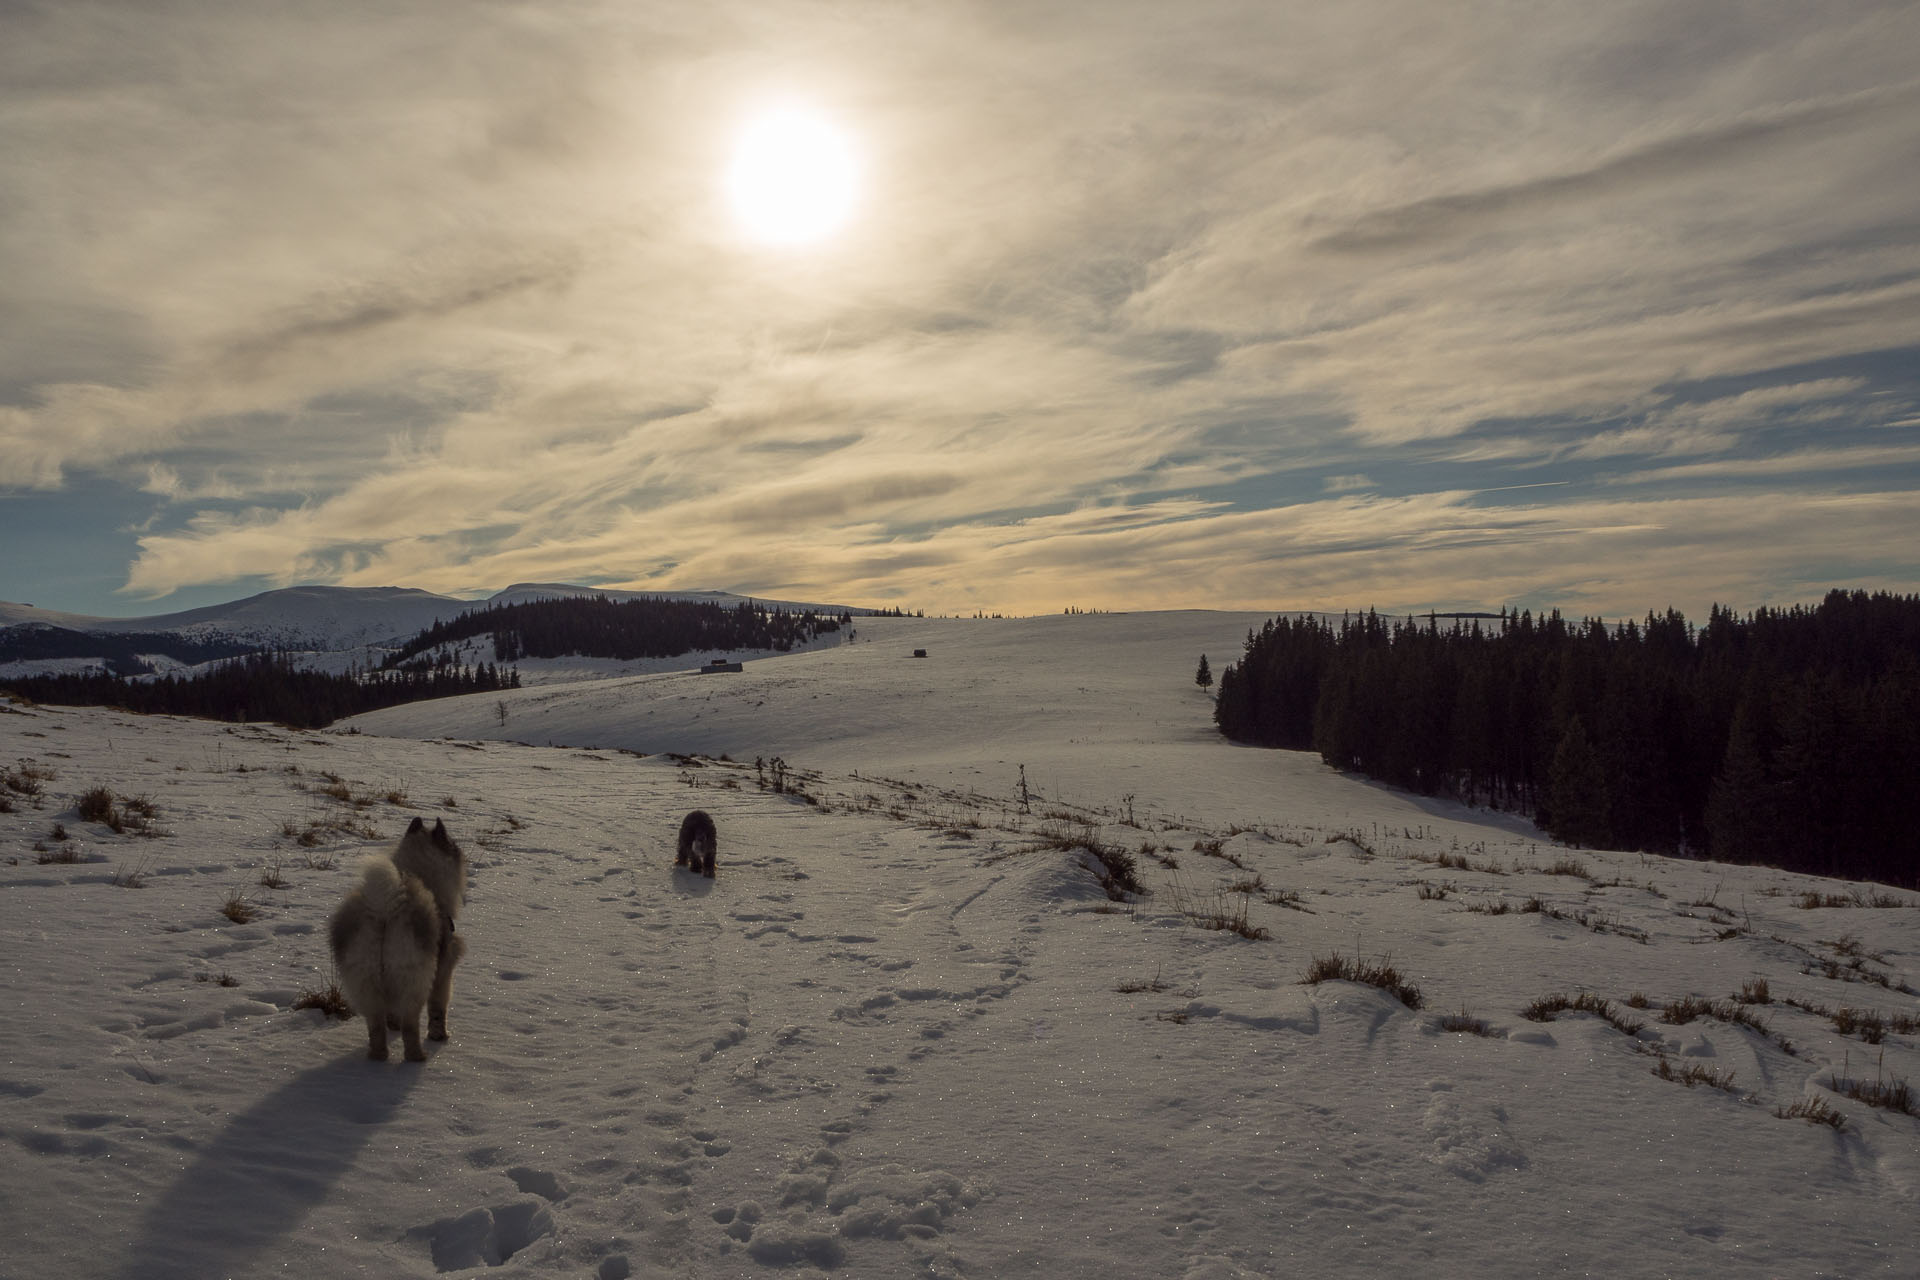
<point>1800,462</point>
<point>443,296</point>
<point>1681,157</point>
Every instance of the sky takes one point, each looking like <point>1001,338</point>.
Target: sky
<point>1102,304</point>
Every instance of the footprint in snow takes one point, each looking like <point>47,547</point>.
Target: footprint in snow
<point>484,1237</point>
<point>1469,1140</point>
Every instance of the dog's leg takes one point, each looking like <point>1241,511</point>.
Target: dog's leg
<point>706,868</point>
<point>410,1037</point>
<point>377,1035</point>
<point>450,954</point>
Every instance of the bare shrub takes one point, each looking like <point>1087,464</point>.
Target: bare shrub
<point>237,909</point>
<point>96,805</point>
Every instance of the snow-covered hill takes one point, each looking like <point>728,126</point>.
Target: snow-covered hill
<point>906,1031</point>
<point>327,628</point>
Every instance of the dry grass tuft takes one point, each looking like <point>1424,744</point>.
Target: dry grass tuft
<point>95,804</point>
<point>1687,1008</point>
<point>237,909</point>
<point>1889,1093</point>
<point>1465,1022</point>
<point>1380,973</point>
<point>1813,1111</point>
<point>1153,984</point>
<point>1547,1007</point>
<point>327,1000</point>
<point>1695,1073</point>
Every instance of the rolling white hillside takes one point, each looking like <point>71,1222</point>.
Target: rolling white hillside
<point>905,1030</point>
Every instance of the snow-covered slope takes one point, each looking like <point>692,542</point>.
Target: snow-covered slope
<point>331,628</point>
<point>320,618</point>
<point>905,1031</point>
<point>520,592</point>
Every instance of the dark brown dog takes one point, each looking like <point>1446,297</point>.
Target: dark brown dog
<point>698,843</point>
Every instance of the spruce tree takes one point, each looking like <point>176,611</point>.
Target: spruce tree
<point>1576,789</point>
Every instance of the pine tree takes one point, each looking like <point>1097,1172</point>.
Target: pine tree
<point>1576,789</point>
<point>1204,676</point>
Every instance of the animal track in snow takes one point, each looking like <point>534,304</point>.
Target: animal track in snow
<point>537,1182</point>
<point>484,1237</point>
<point>1469,1142</point>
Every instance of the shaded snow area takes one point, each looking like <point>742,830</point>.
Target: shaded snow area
<point>907,1030</point>
<point>478,651</point>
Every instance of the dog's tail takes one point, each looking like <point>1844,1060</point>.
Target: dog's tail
<point>387,947</point>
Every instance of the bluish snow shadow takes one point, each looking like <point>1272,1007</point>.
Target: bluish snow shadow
<point>251,1186</point>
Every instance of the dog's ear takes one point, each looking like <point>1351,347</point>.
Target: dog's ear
<point>440,836</point>
<point>416,826</point>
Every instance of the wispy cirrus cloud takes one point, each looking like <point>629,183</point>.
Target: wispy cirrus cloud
<point>1172,304</point>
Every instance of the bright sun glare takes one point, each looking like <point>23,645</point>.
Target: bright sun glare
<point>793,177</point>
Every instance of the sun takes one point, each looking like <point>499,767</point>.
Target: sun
<point>793,178</point>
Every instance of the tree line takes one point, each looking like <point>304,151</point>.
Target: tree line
<point>123,652</point>
<point>265,686</point>
<point>597,627</point>
<point>1787,737</point>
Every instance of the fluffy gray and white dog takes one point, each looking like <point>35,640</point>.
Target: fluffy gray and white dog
<point>393,939</point>
<point>698,843</point>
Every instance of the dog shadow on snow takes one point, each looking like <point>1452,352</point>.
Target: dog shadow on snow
<point>248,1188</point>
<point>688,885</point>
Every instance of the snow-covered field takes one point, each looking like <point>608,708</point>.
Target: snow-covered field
<point>905,1031</point>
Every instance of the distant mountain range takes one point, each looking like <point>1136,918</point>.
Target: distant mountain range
<point>298,619</point>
